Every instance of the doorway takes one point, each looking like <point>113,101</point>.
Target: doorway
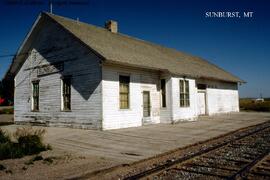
<point>146,105</point>
<point>201,103</point>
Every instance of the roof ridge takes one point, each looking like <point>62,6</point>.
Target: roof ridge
<point>121,34</point>
<point>130,50</point>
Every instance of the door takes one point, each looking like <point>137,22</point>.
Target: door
<point>146,104</point>
<point>201,103</point>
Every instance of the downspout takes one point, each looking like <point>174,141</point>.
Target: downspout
<point>171,100</point>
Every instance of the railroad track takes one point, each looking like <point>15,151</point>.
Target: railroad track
<point>260,170</point>
<point>244,155</point>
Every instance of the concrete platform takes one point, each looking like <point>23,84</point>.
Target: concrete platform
<point>132,144</point>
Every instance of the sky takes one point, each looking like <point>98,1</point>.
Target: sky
<point>238,45</point>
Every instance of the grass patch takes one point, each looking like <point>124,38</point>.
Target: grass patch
<point>28,142</point>
<point>48,160</point>
<point>29,162</point>
<point>4,137</point>
<point>7,111</point>
<point>2,167</point>
<point>49,147</point>
<point>251,105</point>
<point>32,160</point>
<point>38,158</point>
<point>8,171</point>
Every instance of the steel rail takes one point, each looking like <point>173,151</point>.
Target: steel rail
<point>171,163</point>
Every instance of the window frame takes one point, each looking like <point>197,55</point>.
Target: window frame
<point>163,93</point>
<point>184,93</point>
<point>63,103</point>
<point>35,108</point>
<point>124,93</point>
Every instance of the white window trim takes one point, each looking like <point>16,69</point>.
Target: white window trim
<point>62,99</point>
<point>32,96</point>
<point>129,96</point>
<point>184,87</point>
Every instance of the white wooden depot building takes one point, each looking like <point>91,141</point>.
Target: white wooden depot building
<point>69,73</point>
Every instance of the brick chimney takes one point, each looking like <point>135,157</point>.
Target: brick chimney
<point>111,26</point>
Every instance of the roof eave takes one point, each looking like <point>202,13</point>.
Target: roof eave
<point>83,43</point>
<point>15,64</point>
<point>113,62</point>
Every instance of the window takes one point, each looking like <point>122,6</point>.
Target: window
<point>66,94</point>
<point>163,92</point>
<point>35,96</point>
<point>124,91</point>
<point>184,93</point>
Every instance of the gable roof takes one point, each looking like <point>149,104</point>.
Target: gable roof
<point>122,49</point>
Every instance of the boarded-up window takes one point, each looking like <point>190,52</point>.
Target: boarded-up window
<point>184,93</point>
<point>66,94</point>
<point>124,91</point>
<point>163,92</point>
<point>35,103</point>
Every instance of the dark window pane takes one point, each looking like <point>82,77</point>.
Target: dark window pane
<point>66,91</point>
<point>163,92</point>
<point>35,96</point>
<point>186,87</point>
<point>181,86</point>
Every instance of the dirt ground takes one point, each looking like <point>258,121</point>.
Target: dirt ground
<point>6,118</point>
<point>78,152</point>
<point>55,165</point>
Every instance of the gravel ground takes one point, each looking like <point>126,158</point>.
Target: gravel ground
<point>239,154</point>
<point>218,163</point>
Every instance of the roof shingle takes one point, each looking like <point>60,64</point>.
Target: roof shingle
<point>123,49</point>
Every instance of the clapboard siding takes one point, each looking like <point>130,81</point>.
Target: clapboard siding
<point>113,116</point>
<point>165,113</point>
<point>183,113</point>
<point>54,45</point>
<point>222,97</point>
<point>95,88</point>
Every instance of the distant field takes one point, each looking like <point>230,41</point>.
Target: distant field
<point>6,110</point>
<point>247,104</point>
<point>6,115</point>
